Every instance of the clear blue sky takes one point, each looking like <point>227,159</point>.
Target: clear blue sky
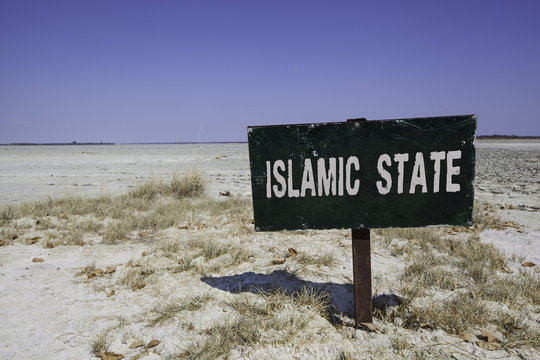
<point>153,71</point>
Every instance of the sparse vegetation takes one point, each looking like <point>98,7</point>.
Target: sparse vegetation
<point>270,302</point>
<point>452,281</point>
<point>135,276</point>
<point>317,300</point>
<point>399,343</point>
<point>88,269</point>
<point>190,184</point>
<point>474,272</point>
<point>155,205</point>
<point>7,213</point>
<point>279,315</point>
<point>221,339</point>
<point>216,254</point>
<point>171,308</point>
<point>100,343</point>
<point>326,259</point>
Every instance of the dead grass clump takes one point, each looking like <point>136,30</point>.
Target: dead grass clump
<point>455,315</point>
<point>7,213</point>
<point>100,344</point>
<point>116,231</point>
<point>59,207</point>
<point>283,315</point>
<point>7,236</point>
<point>88,269</point>
<point>229,254</point>
<point>209,249</point>
<point>169,247</point>
<point>188,185</point>
<point>89,225</point>
<point>399,343</point>
<point>222,339</point>
<point>516,332</point>
<point>485,217</point>
<point>72,237</point>
<point>135,276</point>
<point>249,308</point>
<point>515,290</point>
<point>237,210</point>
<point>328,259</point>
<point>148,190</point>
<point>172,308</point>
<point>317,300</point>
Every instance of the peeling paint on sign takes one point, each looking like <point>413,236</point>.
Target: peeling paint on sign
<point>385,173</point>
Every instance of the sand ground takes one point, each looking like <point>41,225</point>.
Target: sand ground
<point>47,312</point>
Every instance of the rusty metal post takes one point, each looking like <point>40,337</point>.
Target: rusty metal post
<point>362,275</point>
<point>361,254</point>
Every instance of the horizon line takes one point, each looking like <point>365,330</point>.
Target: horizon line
<point>75,143</point>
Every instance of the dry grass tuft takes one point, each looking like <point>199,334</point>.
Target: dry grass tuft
<point>269,302</point>
<point>72,237</point>
<point>217,255</point>
<point>399,343</point>
<point>221,339</point>
<point>88,269</point>
<point>317,300</point>
<point>484,217</point>
<point>100,343</point>
<point>455,315</point>
<point>188,185</point>
<point>135,276</point>
<point>7,213</point>
<point>328,259</point>
<point>170,309</point>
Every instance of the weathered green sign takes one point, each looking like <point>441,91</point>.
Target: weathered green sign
<point>365,174</point>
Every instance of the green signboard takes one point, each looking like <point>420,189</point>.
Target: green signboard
<point>363,174</point>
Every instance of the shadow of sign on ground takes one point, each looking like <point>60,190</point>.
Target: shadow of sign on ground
<point>341,294</point>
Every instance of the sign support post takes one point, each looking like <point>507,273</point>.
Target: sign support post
<point>362,276</point>
<point>361,254</point>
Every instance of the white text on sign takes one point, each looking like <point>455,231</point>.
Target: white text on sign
<point>337,176</point>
